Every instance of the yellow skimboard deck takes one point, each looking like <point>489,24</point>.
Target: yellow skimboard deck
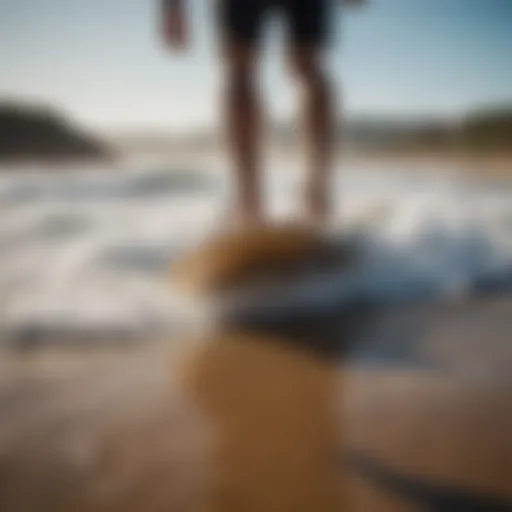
<point>271,280</point>
<point>231,259</point>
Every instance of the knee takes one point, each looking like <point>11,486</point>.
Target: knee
<point>240,84</point>
<point>309,74</point>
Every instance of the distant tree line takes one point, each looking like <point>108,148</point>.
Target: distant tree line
<point>483,131</point>
<point>491,130</point>
<point>39,133</point>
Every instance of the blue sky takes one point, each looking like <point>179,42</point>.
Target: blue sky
<point>101,60</point>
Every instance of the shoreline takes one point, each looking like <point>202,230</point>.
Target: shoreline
<point>496,165</point>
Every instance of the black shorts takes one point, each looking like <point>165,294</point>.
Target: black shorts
<point>307,20</point>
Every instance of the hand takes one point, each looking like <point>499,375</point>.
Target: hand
<point>175,28</point>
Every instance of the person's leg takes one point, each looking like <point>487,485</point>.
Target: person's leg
<point>243,131</point>
<point>318,127</point>
<point>309,20</point>
<point>240,25</point>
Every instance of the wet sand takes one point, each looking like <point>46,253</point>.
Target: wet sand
<point>418,420</point>
<point>278,435</point>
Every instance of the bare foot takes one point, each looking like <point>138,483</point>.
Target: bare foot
<point>240,218</point>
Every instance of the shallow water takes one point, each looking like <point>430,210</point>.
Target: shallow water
<point>89,251</point>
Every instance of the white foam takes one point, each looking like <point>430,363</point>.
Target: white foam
<point>93,249</point>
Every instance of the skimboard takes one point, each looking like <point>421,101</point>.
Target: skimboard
<point>239,258</point>
<point>266,274</point>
